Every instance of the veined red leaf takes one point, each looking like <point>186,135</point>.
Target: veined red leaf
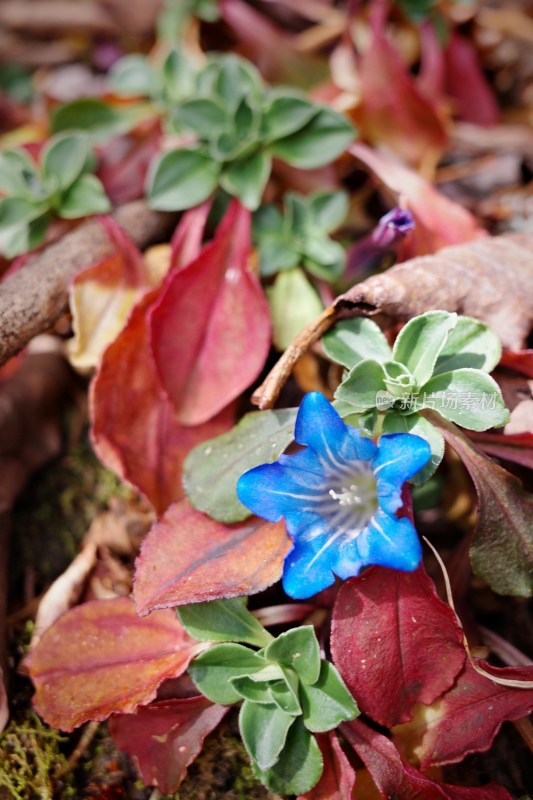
<point>389,92</point>
<point>502,548</point>
<point>395,778</point>
<point>210,328</point>
<point>188,557</point>
<point>135,431</point>
<point>100,658</point>
<point>439,221</point>
<point>102,296</point>
<point>338,778</point>
<point>166,737</point>
<point>468,717</point>
<point>394,642</point>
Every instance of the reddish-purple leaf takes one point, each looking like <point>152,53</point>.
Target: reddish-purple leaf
<point>473,99</point>
<point>468,717</point>
<point>394,642</point>
<point>395,778</point>
<point>515,447</point>
<point>166,737</point>
<point>123,163</point>
<point>188,557</point>
<point>338,778</point>
<point>210,328</point>
<point>101,658</point>
<point>186,241</point>
<point>502,548</point>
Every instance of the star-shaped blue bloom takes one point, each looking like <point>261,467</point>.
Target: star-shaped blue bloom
<point>339,496</point>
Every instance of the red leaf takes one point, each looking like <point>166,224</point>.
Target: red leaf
<point>520,360</point>
<point>338,778</point>
<point>186,241</point>
<point>210,329</point>
<point>166,737</point>
<point>123,164</point>
<point>468,717</point>
<point>515,447</point>
<point>395,778</point>
<point>100,658</point>
<point>394,642</point>
<point>439,221</point>
<point>135,432</point>
<point>188,557</point>
<point>389,92</point>
<point>473,97</point>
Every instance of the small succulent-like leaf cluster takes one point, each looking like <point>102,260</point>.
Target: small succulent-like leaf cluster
<point>60,185</point>
<point>235,126</point>
<point>439,362</point>
<point>287,691</point>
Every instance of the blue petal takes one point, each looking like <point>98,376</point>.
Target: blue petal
<point>273,490</point>
<point>318,425</point>
<point>306,569</point>
<point>401,455</point>
<point>390,542</point>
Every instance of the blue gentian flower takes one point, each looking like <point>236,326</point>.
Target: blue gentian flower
<point>339,496</point>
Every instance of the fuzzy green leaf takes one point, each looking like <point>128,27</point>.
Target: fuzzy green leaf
<point>134,76</point>
<point>329,209</point>
<point>355,340</point>
<point>285,114</point>
<point>299,765</point>
<point>264,729</point>
<point>468,397</point>
<point>470,344</point>
<point>420,342</point>
<point>18,174</point>
<point>294,303</point>
<point>327,702</point>
<point>298,649</point>
<point>360,388</point>
<point>212,671</point>
<point>246,178</point>
<point>94,117</point>
<point>203,116</point>
<point>212,469</point>
<point>181,179</point>
<point>223,621</point>
<point>319,142</point>
<point>86,196</point>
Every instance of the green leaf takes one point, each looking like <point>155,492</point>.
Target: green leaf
<point>470,344</point>
<point>502,547</point>
<point>469,397</point>
<point>236,78</point>
<point>63,160</point>
<point>329,209</point>
<point>86,196</point>
<point>298,649</point>
<point>294,303</point>
<point>212,671</point>
<point>327,702</point>
<point>134,76</point>
<point>252,690</point>
<point>202,115</point>
<point>298,219</point>
<point>247,178</point>
<point>181,179</point>
<point>323,257</point>
<point>267,222</point>
<point>420,342</point>
<point>179,77</point>
<point>319,142</point>
<point>212,469</point>
<point>94,117</point>
<point>299,765</point>
<point>395,422</point>
<point>264,729</point>
<point>360,388</point>
<point>18,174</point>
<point>285,693</point>
<point>355,340</point>
<point>24,236</point>
<point>276,255</point>
<point>284,114</point>
<point>223,621</point>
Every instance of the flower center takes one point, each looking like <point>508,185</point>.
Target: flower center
<point>352,501</point>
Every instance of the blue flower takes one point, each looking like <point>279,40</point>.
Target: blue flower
<point>339,496</point>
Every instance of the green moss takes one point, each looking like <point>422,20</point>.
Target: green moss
<point>30,759</point>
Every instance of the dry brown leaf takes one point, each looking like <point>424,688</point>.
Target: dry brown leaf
<point>490,279</point>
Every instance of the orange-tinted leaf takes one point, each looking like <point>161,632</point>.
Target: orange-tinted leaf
<point>102,296</point>
<point>393,111</point>
<point>100,658</point>
<point>521,361</point>
<point>166,737</point>
<point>188,557</point>
<point>135,432</point>
<point>406,646</point>
<point>210,328</point>
<point>338,778</point>
<point>438,220</point>
<point>395,778</point>
<point>467,718</point>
